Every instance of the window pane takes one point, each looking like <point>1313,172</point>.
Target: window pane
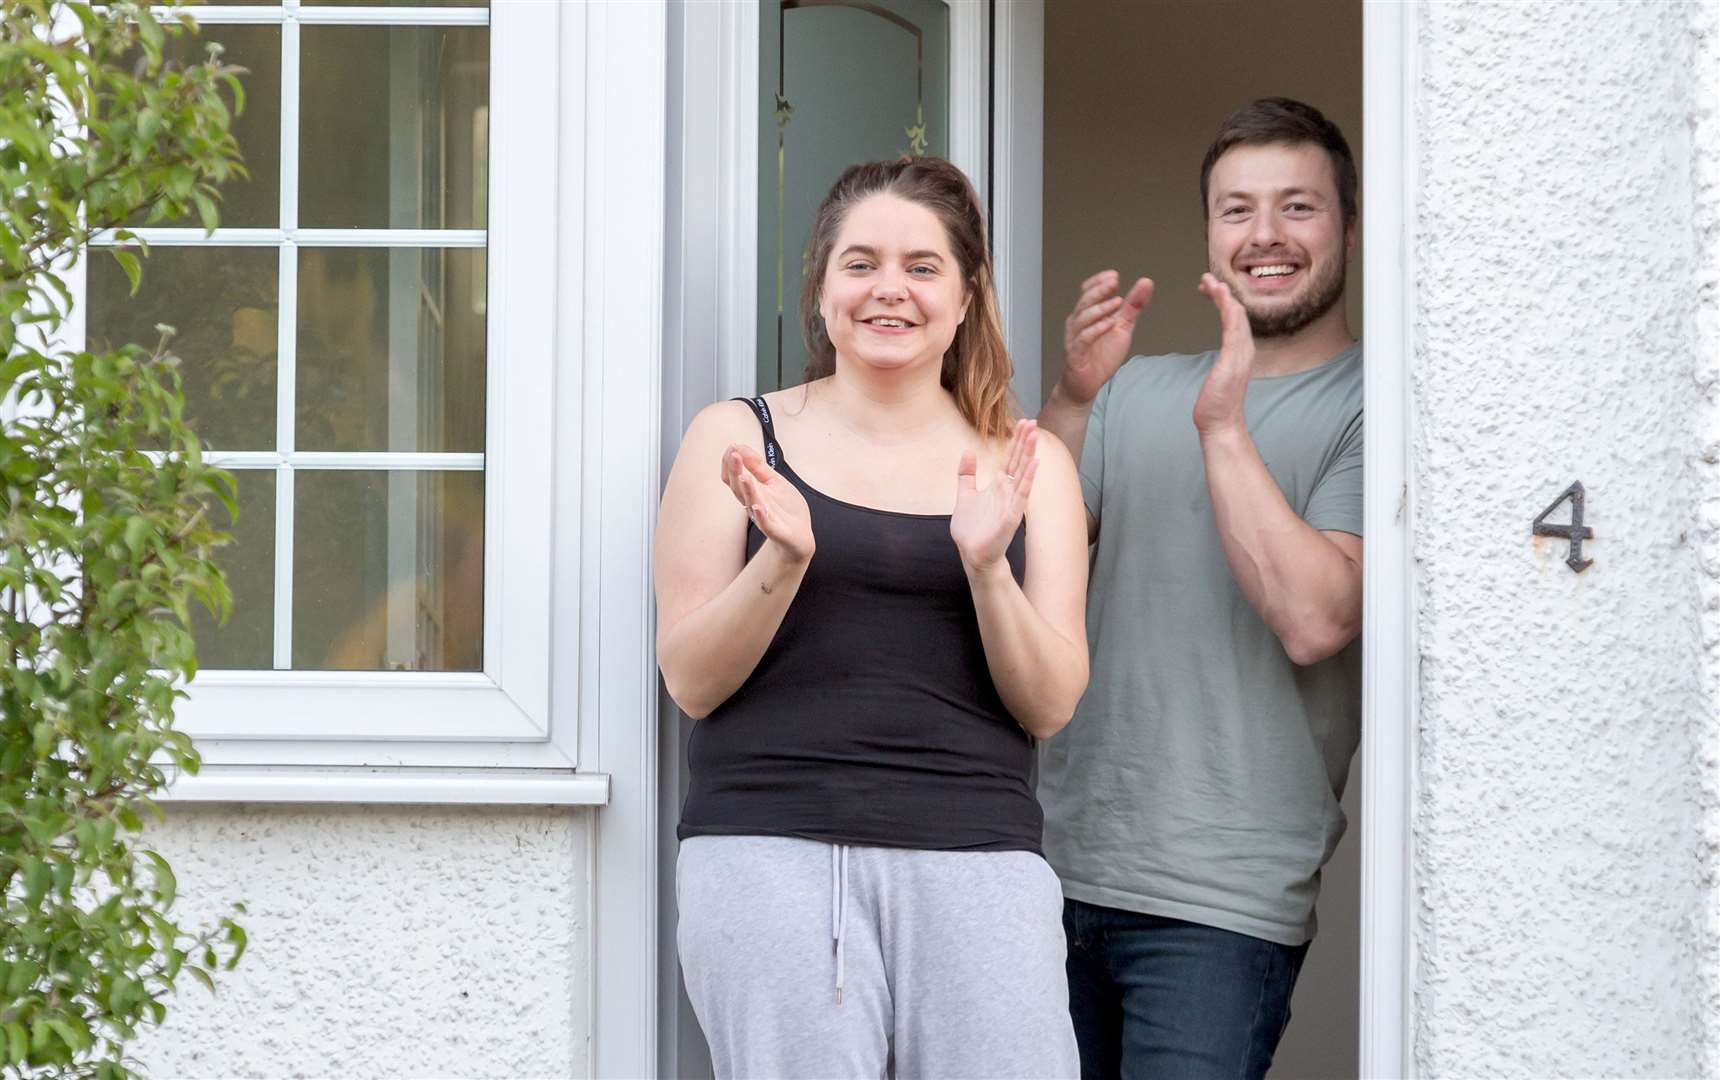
<point>254,202</point>
<point>840,82</point>
<point>391,349</point>
<point>247,639</point>
<point>388,571</point>
<point>394,132</point>
<point>223,303</point>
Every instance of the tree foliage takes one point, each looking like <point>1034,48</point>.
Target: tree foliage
<point>105,532</point>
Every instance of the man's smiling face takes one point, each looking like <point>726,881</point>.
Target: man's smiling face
<point>1275,234</point>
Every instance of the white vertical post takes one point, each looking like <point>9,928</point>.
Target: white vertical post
<point>1388,625</point>
<point>970,101</point>
<point>286,341</point>
<point>622,66</point>
<point>1018,186</point>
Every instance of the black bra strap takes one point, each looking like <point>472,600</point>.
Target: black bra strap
<point>772,453</point>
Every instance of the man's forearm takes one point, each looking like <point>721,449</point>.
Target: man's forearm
<point>1066,419</point>
<point>1302,584</point>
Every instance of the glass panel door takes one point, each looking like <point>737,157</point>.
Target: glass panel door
<point>840,81</point>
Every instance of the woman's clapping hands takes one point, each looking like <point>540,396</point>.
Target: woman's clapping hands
<point>774,504</point>
<point>985,520</point>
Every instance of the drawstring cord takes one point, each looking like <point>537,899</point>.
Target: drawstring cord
<point>838,907</point>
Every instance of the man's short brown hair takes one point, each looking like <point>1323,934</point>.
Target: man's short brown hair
<point>1284,120</point>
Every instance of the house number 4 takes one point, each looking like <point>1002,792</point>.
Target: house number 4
<point>1576,532</point>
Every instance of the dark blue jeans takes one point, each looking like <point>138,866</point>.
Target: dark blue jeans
<point>1155,997</point>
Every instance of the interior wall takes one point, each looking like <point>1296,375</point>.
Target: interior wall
<point>1133,94</point>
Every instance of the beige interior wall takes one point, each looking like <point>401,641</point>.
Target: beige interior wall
<point>1133,94</point>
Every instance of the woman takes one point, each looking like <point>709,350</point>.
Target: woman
<point>873,614</point>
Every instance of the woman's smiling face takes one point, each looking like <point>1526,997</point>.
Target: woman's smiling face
<point>893,293</point>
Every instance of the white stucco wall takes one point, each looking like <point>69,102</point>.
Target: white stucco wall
<point>1565,331</point>
<point>385,942</point>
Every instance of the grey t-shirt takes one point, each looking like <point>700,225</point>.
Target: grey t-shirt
<point>1200,777</point>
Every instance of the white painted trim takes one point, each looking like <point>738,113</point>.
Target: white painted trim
<point>378,754</point>
<point>445,787</point>
<point>616,309</point>
<point>1018,186</point>
<point>970,98</point>
<point>321,238</point>
<point>737,217</point>
<point>387,16</point>
<point>349,680</point>
<point>292,712</point>
<point>286,349</point>
<point>1389,702</point>
<point>228,14</point>
<point>520,545</point>
<point>323,460</point>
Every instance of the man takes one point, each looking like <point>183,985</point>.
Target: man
<point>1194,798</point>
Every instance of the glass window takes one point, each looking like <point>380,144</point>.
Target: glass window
<point>224,305</point>
<point>417,99</point>
<point>360,283</point>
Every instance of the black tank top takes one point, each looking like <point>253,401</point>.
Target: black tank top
<point>871,718</point>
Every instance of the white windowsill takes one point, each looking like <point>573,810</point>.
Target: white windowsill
<point>387,786</point>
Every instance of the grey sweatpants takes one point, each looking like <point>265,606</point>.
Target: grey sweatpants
<point>805,959</point>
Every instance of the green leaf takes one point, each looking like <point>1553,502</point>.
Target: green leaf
<point>201,976</point>
<point>235,937</point>
<point>74,1039</point>
<point>133,269</point>
<point>207,215</point>
<point>166,885</point>
<point>137,532</point>
<point>37,878</point>
<point>22,977</point>
<point>17,1043</point>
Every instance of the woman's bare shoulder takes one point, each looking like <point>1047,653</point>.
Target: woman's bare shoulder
<point>725,422</point>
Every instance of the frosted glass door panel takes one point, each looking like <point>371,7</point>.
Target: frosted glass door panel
<point>843,81</point>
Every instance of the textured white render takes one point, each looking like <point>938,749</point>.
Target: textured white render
<point>1565,253</point>
<point>386,941</point>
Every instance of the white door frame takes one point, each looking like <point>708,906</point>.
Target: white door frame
<point>708,354</point>
<point>1389,700</point>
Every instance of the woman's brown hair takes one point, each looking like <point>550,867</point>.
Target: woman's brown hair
<point>976,367</point>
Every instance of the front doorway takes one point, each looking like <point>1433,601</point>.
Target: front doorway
<point>1131,95</point>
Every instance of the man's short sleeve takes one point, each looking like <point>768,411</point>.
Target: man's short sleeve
<point>1093,453</point>
<point>1336,502</point>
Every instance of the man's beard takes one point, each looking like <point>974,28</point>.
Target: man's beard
<point>1323,294</point>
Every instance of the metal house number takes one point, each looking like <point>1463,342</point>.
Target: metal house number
<point>1576,532</point>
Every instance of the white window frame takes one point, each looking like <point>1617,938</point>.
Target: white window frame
<point>521,711</point>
